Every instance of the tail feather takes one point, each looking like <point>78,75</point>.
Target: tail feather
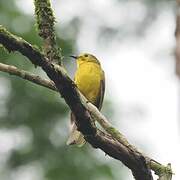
<point>75,137</point>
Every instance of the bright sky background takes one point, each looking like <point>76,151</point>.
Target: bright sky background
<point>140,78</point>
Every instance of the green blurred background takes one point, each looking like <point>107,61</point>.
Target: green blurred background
<point>34,120</point>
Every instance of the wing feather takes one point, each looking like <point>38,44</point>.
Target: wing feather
<point>100,97</point>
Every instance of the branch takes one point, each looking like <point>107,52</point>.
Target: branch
<point>177,33</point>
<point>159,169</point>
<point>154,165</point>
<point>165,173</point>
<point>12,70</point>
<point>45,25</point>
<point>66,87</point>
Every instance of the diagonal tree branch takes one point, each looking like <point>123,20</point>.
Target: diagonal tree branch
<point>66,87</point>
<point>45,25</point>
<point>159,169</point>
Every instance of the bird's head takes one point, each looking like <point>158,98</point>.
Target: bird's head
<point>85,57</point>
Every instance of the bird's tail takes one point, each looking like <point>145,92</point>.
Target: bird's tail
<point>75,137</point>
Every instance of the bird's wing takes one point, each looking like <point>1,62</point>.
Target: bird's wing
<point>100,96</point>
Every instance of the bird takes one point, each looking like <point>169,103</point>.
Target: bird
<point>90,80</point>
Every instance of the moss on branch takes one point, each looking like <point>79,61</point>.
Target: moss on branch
<point>45,22</point>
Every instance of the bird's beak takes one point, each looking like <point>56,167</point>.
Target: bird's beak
<point>75,57</point>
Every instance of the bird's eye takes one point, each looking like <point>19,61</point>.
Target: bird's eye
<point>86,55</point>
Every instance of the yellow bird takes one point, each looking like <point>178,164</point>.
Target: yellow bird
<point>90,80</point>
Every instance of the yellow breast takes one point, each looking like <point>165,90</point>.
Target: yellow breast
<point>87,78</point>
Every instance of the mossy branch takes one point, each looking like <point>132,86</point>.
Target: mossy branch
<point>45,22</point>
<point>159,169</point>
<point>113,142</point>
<point>66,87</point>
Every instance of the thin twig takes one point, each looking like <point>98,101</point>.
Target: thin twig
<point>12,70</point>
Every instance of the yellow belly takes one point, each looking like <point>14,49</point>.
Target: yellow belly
<point>87,78</point>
